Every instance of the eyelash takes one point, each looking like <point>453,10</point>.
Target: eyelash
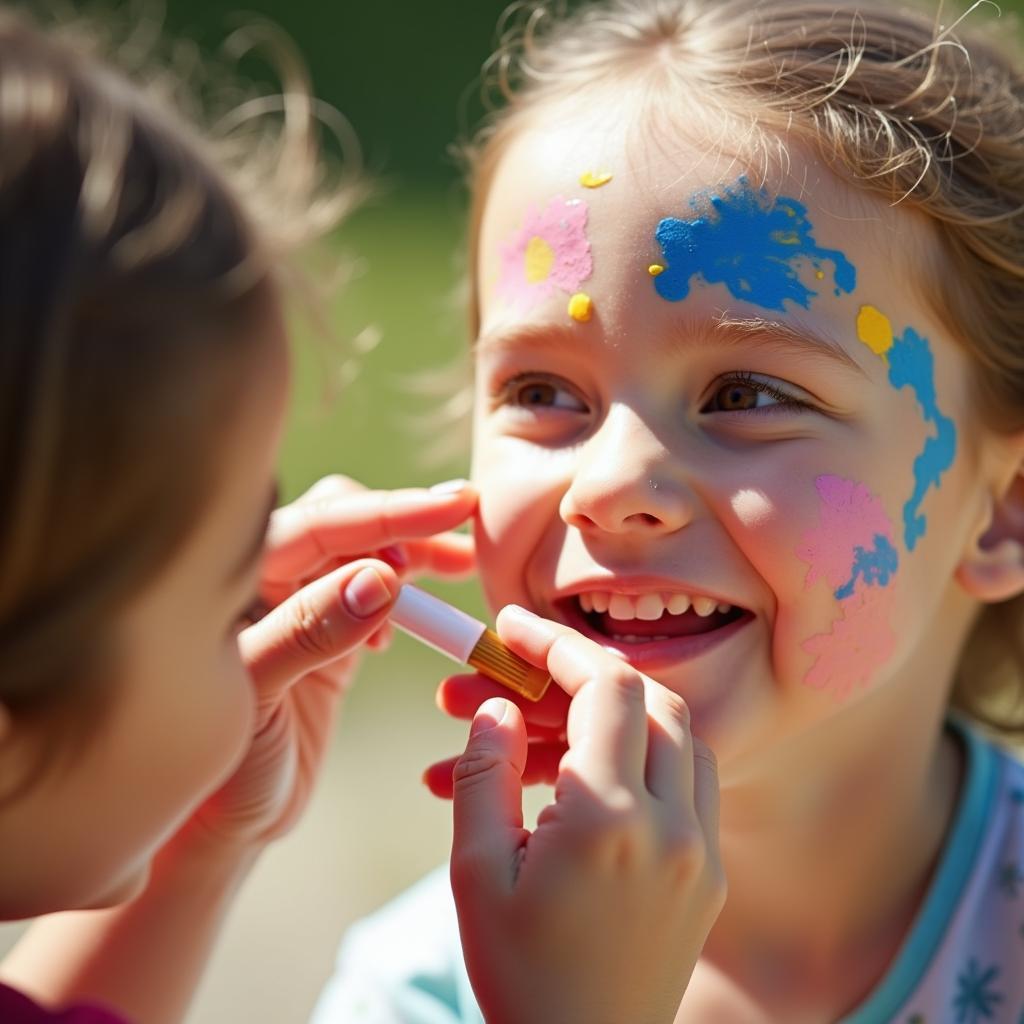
<point>786,402</point>
<point>505,392</point>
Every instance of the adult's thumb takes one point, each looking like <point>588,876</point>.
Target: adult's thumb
<point>318,624</point>
<point>487,798</point>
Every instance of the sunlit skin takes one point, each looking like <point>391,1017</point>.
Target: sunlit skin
<point>608,457</point>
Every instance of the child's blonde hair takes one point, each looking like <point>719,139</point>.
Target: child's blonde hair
<point>926,115</point>
<point>141,247</point>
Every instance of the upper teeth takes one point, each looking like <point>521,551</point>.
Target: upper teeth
<point>647,606</point>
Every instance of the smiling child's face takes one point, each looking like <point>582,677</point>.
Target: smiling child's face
<point>752,471</point>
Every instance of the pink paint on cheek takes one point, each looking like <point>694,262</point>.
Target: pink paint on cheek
<point>861,640</point>
<point>851,517</point>
<point>549,253</point>
<point>860,643</point>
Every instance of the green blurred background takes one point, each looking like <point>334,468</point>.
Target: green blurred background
<point>405,74</point>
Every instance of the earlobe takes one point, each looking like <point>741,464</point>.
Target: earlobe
<point>992,569</point>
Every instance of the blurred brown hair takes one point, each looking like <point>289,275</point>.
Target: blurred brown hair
<point>139,250</point>
<point>923,113</point>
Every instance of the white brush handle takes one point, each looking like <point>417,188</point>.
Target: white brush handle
<point>436,623</point>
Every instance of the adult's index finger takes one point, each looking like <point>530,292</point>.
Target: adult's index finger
<point>303,536</point>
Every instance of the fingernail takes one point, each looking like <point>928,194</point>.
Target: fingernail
<point>366,593</point>
<point>449,487</point>
<point>489,715</point>
<point>520,612</point>
<point>530,621</point>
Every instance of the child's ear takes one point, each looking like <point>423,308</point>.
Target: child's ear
<point>992,569</point>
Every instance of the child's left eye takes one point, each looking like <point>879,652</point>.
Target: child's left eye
<point>743,392</point>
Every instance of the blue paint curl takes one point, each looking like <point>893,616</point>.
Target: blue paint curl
<point>875,567</point>
<point>911,365</point>
<point>748,243</point>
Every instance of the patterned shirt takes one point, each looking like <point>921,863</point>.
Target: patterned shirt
<point>962,961</point>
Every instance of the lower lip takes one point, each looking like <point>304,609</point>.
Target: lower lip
<point>651,655</point>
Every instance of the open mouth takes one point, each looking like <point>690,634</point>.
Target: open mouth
<point>653,626</point>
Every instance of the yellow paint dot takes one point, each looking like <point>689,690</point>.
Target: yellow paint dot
<point>786,237</point>
<point>819,274</point>
<point>581,307</point>
<point>590,179</point>
<point>655,269</point>
<point>539,259</point>
<point>875,330</point>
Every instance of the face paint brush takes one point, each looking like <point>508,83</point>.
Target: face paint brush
<point>467,640</point>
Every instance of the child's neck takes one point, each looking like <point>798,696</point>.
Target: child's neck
<point>825,878</point>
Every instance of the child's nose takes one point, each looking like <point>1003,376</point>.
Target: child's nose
<point>627,481</point>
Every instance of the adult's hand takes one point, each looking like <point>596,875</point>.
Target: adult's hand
<point>334,563</point>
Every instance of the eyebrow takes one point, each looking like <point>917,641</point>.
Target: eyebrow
<point>254,549</point>
<point>785,338</point>
<point>800,340</point>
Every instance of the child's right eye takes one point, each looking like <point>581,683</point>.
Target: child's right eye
<point>539,391</point>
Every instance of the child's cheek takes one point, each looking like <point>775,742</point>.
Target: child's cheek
<point>828,553</point>
<point>853,558</point>
<point>520,489</point>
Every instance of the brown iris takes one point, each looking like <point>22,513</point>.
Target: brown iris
<point>537,393</point>
<point>736,397</point>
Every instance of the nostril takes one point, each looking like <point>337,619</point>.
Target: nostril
<point>580,521</point>
<point>643,519</point>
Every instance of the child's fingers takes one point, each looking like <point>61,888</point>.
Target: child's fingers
<point>670,768</point>
<point>307,534</point>
<point>317,625</point>
<point>705,790</point>
<point>542,760</point>
<point>460,696</point>
<point>607,732</point>
<point>488,797</point>
<point>607,729</point>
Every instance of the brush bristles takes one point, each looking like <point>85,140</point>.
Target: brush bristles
<point>495,660</point>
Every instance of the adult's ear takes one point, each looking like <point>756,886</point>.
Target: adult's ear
<point>992,569</point>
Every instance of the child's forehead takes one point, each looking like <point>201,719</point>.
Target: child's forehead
<point>658,167</point>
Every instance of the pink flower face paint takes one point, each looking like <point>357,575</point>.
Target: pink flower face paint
<point>852,550</point>
<point>548,254</point>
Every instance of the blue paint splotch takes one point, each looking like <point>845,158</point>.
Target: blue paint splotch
<point>751,244</point>
<point>874,566</point>
<point>911,365</point>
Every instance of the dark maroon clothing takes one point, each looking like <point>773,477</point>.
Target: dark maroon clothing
<point>18,1009</point>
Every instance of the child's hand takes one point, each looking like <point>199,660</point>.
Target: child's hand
<point>461,695</point>
<point>600,914</point>
<point>302,653</point>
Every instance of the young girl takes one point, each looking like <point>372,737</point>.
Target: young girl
<point>749,359</point>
